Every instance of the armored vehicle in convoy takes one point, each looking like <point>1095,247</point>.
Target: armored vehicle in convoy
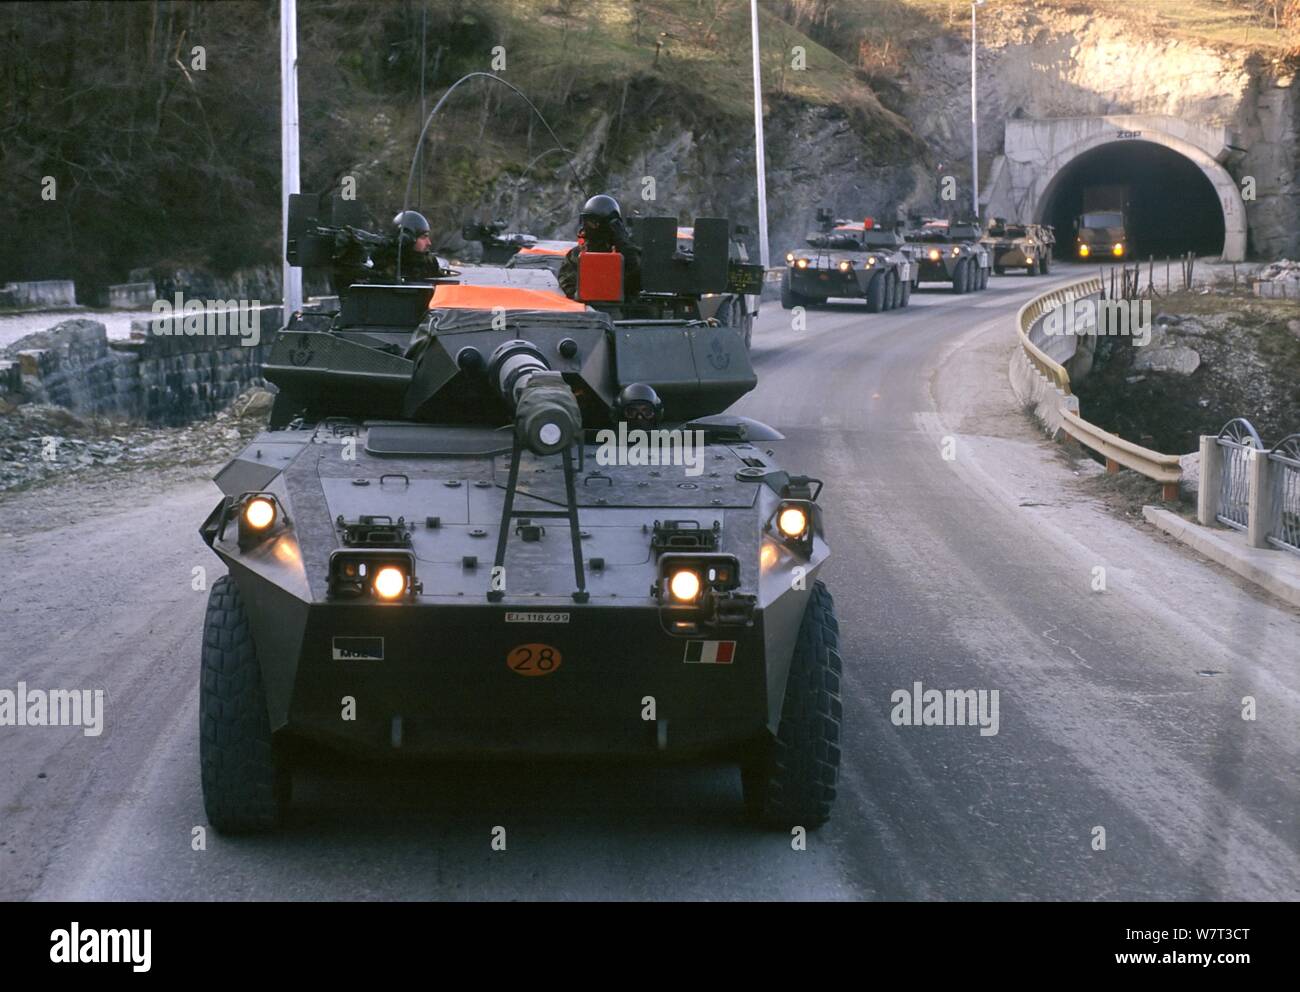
<point>1019,246</point>
<point>950,251</point>
<point>855,259</point>
<point>488,519</point>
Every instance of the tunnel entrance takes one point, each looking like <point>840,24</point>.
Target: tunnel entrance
<point>1170,204</point>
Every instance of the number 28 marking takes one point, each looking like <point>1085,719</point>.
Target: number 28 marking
<point>533,659</point>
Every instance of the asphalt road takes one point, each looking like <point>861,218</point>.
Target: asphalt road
<point>1119,709</point>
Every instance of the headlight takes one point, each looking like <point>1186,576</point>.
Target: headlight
<point>789,256</point>
<point>934,254</point>
<point>845,266</point>
<point>956,250</point>
<point>1118,249</point>
<point>385,575</point>
<point>792,521</point>
<point>390,582</point>
<point>871,259</point>
<point>1083,251</point>
<point>259,513</point>
<point>258,516</point>
<point>801,263</point>
<point>684,586</point>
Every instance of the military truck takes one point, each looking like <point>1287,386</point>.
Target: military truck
<point>1019,246</point>
<point>490,520</point>
<point>1101,234</point>
<point>855,259</point>
<point>950,251</point>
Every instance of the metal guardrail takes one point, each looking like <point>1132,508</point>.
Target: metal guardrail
<point>1284,467</point>
<point>1238,441</point>
<point>1162,468</point>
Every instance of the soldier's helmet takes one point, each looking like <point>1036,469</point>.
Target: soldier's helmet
<point>411,226</point>
<point>601,209</point>
<point>638,405</point>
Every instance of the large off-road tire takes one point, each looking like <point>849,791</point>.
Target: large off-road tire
<point>789,298</point>
<point>891,290</point>
<point>907,292</point>
<point>790,780</point>
<point>984,278</point>
<point>246,781</point>
<point>961,277</point>
<point>898,290</point>
<point>876,292</point>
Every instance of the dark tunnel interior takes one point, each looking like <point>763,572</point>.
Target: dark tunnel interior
<point>1171,207</point>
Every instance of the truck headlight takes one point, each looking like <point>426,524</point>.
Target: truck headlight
<point>801,263</point>
<point>1118,249</point>
<point>845,266</point>
<point>257,515</point>
<point>934,254</point>
<point>1083,251</point>
<point>789,256</point>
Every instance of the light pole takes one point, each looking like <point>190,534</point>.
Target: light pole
<point>758,140</point>
<point>291,275</point>
<point>974,120</point>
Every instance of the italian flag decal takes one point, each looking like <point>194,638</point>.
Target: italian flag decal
<point>710,652</point>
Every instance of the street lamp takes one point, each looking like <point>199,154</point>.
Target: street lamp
<point>974,122</point>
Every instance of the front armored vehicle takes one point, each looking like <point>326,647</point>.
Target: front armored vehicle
<point>854,259</point>
<point>950,251</point>
<point>488,519</point>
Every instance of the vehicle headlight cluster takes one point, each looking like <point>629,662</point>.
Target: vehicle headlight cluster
<point>384,576</point>
<point>845,265</point>
<point>934,254</point>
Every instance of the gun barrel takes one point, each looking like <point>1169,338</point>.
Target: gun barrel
<point>547,417</point>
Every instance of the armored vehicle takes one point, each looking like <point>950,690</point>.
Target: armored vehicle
<point>487,519</point>
<point>1019,246</point>
<point>950,251</point>
<point>850,259</point>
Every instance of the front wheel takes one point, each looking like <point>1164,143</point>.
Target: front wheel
<point>876,293</point>
<point>789,298</point>
<point>246,781</point>
<point>790,780</point>
<point>961,277</point>
<point>907,292</point>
